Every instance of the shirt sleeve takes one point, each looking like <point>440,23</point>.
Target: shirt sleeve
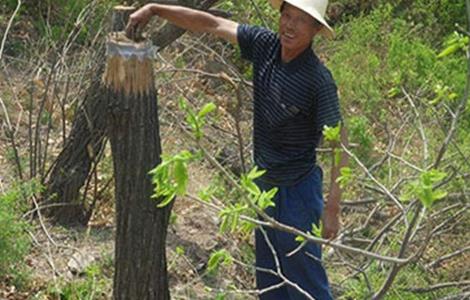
<point>327,110</point>
<point>252,40</point>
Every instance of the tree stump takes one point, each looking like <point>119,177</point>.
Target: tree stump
<point>133,130</point>
<point>86,140</point>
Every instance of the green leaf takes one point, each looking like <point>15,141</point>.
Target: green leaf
<point>224,225</point>
<point>166,200</point>
<point>424,189</point>
<point>247,226</point>
<point>251,187</point>
<point>255,173</point>
<point>439,194</point>
<point>332,134</point>
<point>449,50</point>
<point>206,194</point>
<point>454,44</point>
<point>394,91</point>
<point>434,176</point>
<point>265,198</point>
<point>209,107</point>
<point>264,201</point>
<point>272,192</point>
<point>182,104</point>
<point>220,296</point>
<point>345,177</point>
<point>221,257</point>
<point>338,156</point>
<point>181,178</point>
<point>170,177</point>
<point>317,230</point>
<point>179,250</point>
<point>299,239</point>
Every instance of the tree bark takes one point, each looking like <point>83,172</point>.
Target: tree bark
<point>86,139</point>
<point>133,130</point>
<point>72,167</point>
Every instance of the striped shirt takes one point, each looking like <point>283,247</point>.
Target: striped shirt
<point>292,103</point>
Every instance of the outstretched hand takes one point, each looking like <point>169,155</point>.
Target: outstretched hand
<point>138,20</point>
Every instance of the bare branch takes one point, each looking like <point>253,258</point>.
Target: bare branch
<point>447,256</point>
<point>10,22</point>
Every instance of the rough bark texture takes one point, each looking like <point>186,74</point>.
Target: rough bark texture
<point>86,139</point>
<point>82,148</point>
<point>133,130</point>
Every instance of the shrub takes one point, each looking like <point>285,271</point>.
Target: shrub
<point>14,241</point>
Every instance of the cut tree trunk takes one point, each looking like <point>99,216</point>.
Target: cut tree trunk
<point>86,139</point>
<point>72,167</point>
<point>133,130</point>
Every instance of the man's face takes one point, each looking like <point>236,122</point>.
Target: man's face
<point>296,28</point>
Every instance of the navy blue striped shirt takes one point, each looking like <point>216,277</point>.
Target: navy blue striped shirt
<point>292,103</point>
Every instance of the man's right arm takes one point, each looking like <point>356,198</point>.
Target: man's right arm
<point>186,18</point>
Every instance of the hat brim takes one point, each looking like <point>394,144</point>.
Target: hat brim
<point>326,31</point>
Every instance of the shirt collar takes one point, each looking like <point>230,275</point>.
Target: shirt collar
<point>298,61</point>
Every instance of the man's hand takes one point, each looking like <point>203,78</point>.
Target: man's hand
<point>184,17</point>
<point>138,20</point>
<point>330,221</point>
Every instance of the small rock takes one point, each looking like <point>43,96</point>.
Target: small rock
<point>79,262</point>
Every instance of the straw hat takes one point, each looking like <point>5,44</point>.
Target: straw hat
<point>315,8</point>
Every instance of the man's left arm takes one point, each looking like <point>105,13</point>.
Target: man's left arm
<point>331,212</point>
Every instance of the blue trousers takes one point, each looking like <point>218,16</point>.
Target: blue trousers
<point>299,206</point>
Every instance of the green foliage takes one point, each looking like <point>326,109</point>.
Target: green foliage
<point>254,12</point>
<point>443,93</point>
<point>332,134</point>
<point>170,177</point>
<point>432,18</point>
<point>57,19</point>
<point>8,6</point>
<point>345,178</point>
<point>14,240</point>
<point>218,258</point>
<point>376,55</point>
<point>95,285</point>
<point>230,215</point>
<point>410,277</point>
<point>424,188</point>
<point>317,230</point>
<point>360,131</point>
<point>206,193</point>
<point>220,296</point>
<point>455,43</point>
<point>179,250</point>
<point>261,198</point>
<point>196,120</point>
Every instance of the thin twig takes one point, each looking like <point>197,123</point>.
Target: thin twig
<point>10,22</point>
<point>447,256</point>
<point>378,183</point>
<point>420,125</point>
<point>396,268</point>
<point>438,286</point>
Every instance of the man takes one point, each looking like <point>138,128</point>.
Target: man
<point>295,96</point>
